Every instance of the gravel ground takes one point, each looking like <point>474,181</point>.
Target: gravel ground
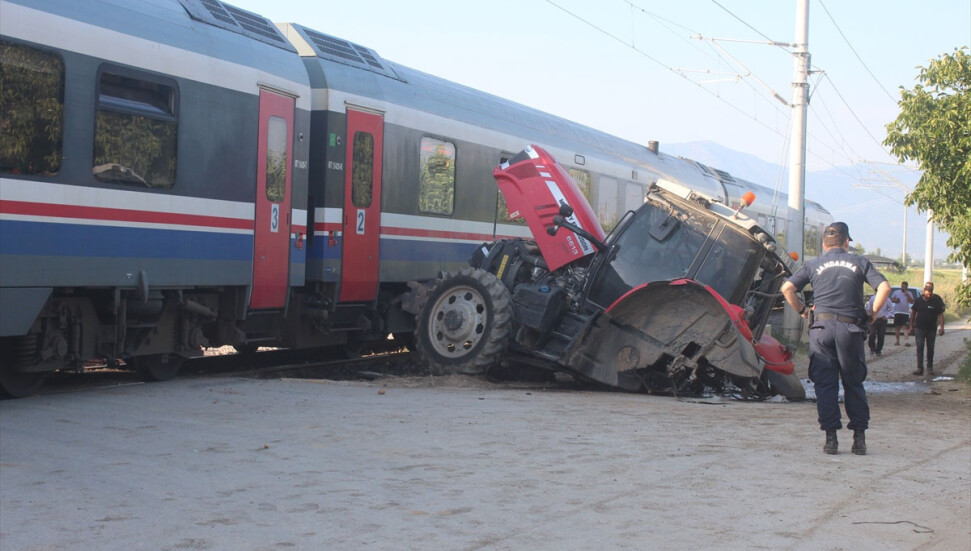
<point>461,463</point>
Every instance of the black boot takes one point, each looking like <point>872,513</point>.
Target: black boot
<point>859,442</point>
<point>831,443</point>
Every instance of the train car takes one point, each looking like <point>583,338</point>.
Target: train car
<point>154,182</point>
<point>176,174</point>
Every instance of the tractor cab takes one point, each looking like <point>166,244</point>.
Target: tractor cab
<point>673,237</point>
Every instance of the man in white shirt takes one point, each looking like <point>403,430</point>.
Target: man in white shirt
<point>902,300</point>
<point>878,327</point>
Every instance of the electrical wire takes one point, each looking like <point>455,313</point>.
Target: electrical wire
<point>718,57</point>
<point>662,64</point>
<point>852,156</point>
<point>743,22</point>
<point>667,23</point>
<point>855,116</point>
<point>852,49</point>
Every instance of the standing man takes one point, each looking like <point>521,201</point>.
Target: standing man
<point>878,327</point>
<point>902,299</point>
<point>928,315</point>
<point>837,333</point>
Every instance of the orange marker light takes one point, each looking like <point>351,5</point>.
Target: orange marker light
<point>794,255</point>
<point>748,198</point>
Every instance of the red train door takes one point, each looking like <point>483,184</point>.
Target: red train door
<point>271,233</point>
<point>362,206</point>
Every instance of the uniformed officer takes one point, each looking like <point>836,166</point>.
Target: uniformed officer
<point>837,331</point>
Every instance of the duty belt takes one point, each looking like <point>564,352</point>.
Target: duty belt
<point>837,317</point>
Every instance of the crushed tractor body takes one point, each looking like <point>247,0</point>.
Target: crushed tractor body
<point>678,326</point>
<point>675,299</point>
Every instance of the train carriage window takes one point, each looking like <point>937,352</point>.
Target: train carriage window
<point>633,196</point>
<point>607,203</point>
<point>502,213</point>
<point>135,130</point>
<point>362,170</point>
<point>811,241</point>
<point>502,209</point>
<point>436,187</point>
<point>582,180</point>
<point>276,159</point>
<point>31,110</point>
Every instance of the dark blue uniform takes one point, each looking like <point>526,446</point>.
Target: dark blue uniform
<point>837,335</point>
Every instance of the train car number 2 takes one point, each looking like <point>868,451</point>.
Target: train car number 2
<point>360,221</point>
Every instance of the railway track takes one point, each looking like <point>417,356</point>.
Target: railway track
<point>314,363</point>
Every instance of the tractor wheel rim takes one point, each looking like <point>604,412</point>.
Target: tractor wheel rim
<point>457,321</point>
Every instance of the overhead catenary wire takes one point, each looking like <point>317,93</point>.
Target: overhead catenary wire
<point>832,128</point>
<point>852,49</point>
<point>856,117</point>
<point>730,104</point>
<point>746,23</point>
<point>661,64</point>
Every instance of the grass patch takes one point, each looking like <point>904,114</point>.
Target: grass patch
<point>964,370</point>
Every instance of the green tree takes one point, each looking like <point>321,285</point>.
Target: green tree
<point>934,129</point>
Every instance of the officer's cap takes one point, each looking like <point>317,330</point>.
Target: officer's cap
<point>839,229</point>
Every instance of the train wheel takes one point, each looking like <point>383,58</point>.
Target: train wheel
<point>158,367</point>
<point>466,324</point>
<point>20,384</point>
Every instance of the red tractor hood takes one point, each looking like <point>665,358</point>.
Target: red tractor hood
<point>534,186</point>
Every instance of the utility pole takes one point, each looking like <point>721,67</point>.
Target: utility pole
<point>929,249</point>
<point>903,251</point>
<point>792,321</point>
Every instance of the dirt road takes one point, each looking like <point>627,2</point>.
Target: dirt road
<point>458,463</point>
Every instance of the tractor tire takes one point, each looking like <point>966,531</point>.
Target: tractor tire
<point>787,386</point>
<point>466,324</point>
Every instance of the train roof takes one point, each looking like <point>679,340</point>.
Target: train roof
<point>354,69</point>
<point>208,28</point>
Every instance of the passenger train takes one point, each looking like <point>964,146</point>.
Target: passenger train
<point>180,174</point>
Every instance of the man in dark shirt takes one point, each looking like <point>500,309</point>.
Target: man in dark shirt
<point>927,316</point>
<point>838,332</point>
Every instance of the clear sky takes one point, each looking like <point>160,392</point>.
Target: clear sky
<point>632,68</point>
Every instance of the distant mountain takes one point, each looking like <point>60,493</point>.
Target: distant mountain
<point>874,213</point>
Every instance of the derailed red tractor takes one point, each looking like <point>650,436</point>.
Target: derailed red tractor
<point>675,299</point>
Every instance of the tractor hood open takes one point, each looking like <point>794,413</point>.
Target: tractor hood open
<point>681,325</point>
<point>534,186</point>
